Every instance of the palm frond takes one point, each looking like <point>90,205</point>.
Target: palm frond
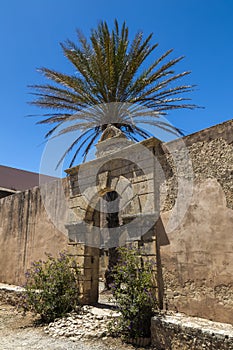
<point>111,72</point>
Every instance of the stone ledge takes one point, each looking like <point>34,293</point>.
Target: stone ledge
<point>10,294</point>
<point>171,332</point>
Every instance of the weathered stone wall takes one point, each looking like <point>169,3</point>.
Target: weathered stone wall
<point>178,332</point>
<point>26,232</point>
<point>198,262</point>
<point>121,173</point>
<point>210,155</point>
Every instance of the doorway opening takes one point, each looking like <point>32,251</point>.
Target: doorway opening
<point>110,216</point>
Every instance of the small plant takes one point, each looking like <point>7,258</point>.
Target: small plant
<point>133,291</point>
<point>52,287</point>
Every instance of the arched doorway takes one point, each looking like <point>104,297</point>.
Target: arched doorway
<point>105,216</point>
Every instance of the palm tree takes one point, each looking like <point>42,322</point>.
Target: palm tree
<point>112,85</point>
<point>109,73</point>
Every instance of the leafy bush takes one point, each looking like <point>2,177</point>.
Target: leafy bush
<point>134,293</point>
<point>52,287</point>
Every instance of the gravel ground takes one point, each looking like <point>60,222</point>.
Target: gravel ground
<point>35,340</point>
<point>21,332</point>
<point>18,332</point>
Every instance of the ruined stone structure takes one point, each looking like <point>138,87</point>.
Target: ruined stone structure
<point>26,232</point>
<point>198,262</point>
<point>128,170</point>
<point>187,192</point>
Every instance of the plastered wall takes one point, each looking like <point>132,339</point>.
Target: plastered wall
<point>197,262</point>
<point>26,233</point>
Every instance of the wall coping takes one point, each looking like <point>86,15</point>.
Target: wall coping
<point>184,329</point>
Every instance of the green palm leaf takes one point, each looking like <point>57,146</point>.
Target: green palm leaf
<point>110,71</point>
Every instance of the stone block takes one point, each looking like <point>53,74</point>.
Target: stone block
<point>76,249</point>
<point>143,187</point>
<point>103,181</point>
<point>78,213</point>
<point>149,248</point>
<point>147,203</point>
<point>78,201</point>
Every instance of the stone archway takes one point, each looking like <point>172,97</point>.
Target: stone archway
<point>105,212</point>
<point>138,204</point>
<point>107,220</point>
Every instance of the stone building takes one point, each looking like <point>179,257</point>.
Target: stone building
<point>174,199</point>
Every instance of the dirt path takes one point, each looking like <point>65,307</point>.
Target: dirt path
<point>18,332</point>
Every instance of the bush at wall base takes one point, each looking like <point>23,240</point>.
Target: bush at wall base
<point>134,293</point>
<point>52,287</point>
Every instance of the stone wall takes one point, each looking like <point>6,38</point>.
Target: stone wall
<point>210,155</point>
<point>178,332</point>
<point>26,231</point>
<point>198,262</point>
<point>121,173</point>
<point>135,187</point>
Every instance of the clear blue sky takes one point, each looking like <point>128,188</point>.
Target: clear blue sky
<point>31,30</point>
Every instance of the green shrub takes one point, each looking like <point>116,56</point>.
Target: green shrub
<point>52,287</point>
<point>134,292</point>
